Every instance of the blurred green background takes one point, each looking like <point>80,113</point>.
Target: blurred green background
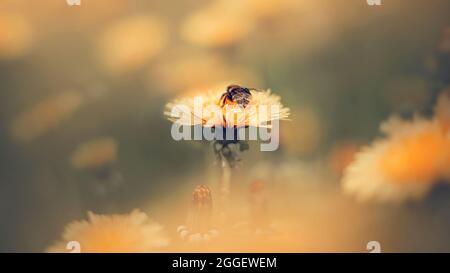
<point>341,66</point>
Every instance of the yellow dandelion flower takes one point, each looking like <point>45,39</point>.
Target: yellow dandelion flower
<point>130,43</point>
<point>95,153</point>
<point>133,232</point>
<point>221,23</point>
<point>45,115</point>
<point>16,36</point>
<point>405,165</point>
<point>258,112</point>
<point>420,156</point>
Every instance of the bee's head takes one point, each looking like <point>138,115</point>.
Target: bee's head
<point>233,87</point>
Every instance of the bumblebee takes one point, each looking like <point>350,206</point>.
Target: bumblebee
<point>236,94</point>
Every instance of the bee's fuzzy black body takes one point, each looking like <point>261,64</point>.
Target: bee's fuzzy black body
<point>237,94</point>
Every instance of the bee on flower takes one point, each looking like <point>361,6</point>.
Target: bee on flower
<point>222,116</point>
<point>182,110</point>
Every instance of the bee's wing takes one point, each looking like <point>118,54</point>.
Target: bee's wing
<point>255,89</point>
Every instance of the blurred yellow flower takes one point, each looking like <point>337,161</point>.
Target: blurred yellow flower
<point>220,23</point>
<point>226,22</point>
<point>405,165</point>
<point>130,43</point>
<point>183,110</point>
<point>418,154</point>
<point>132,232</point>
<point>95,153</point>
<point>45,115</point>
<point>16,36</point>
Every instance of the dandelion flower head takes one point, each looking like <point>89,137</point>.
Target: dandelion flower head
<point>132,232</point>
<point>404,165</point>
<point>258,113</point>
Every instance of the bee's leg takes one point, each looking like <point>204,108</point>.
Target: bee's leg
<point>245,102</point>
<point>222,100</point>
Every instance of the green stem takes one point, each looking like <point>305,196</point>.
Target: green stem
<point>225,189</point>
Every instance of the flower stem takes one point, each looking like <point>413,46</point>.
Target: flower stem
<point>224,188</point>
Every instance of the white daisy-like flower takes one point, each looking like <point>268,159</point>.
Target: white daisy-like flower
<point>206,110</point>
<point>132,232</point>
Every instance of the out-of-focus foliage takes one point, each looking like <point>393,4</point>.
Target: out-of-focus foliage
<point>71,75</point>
